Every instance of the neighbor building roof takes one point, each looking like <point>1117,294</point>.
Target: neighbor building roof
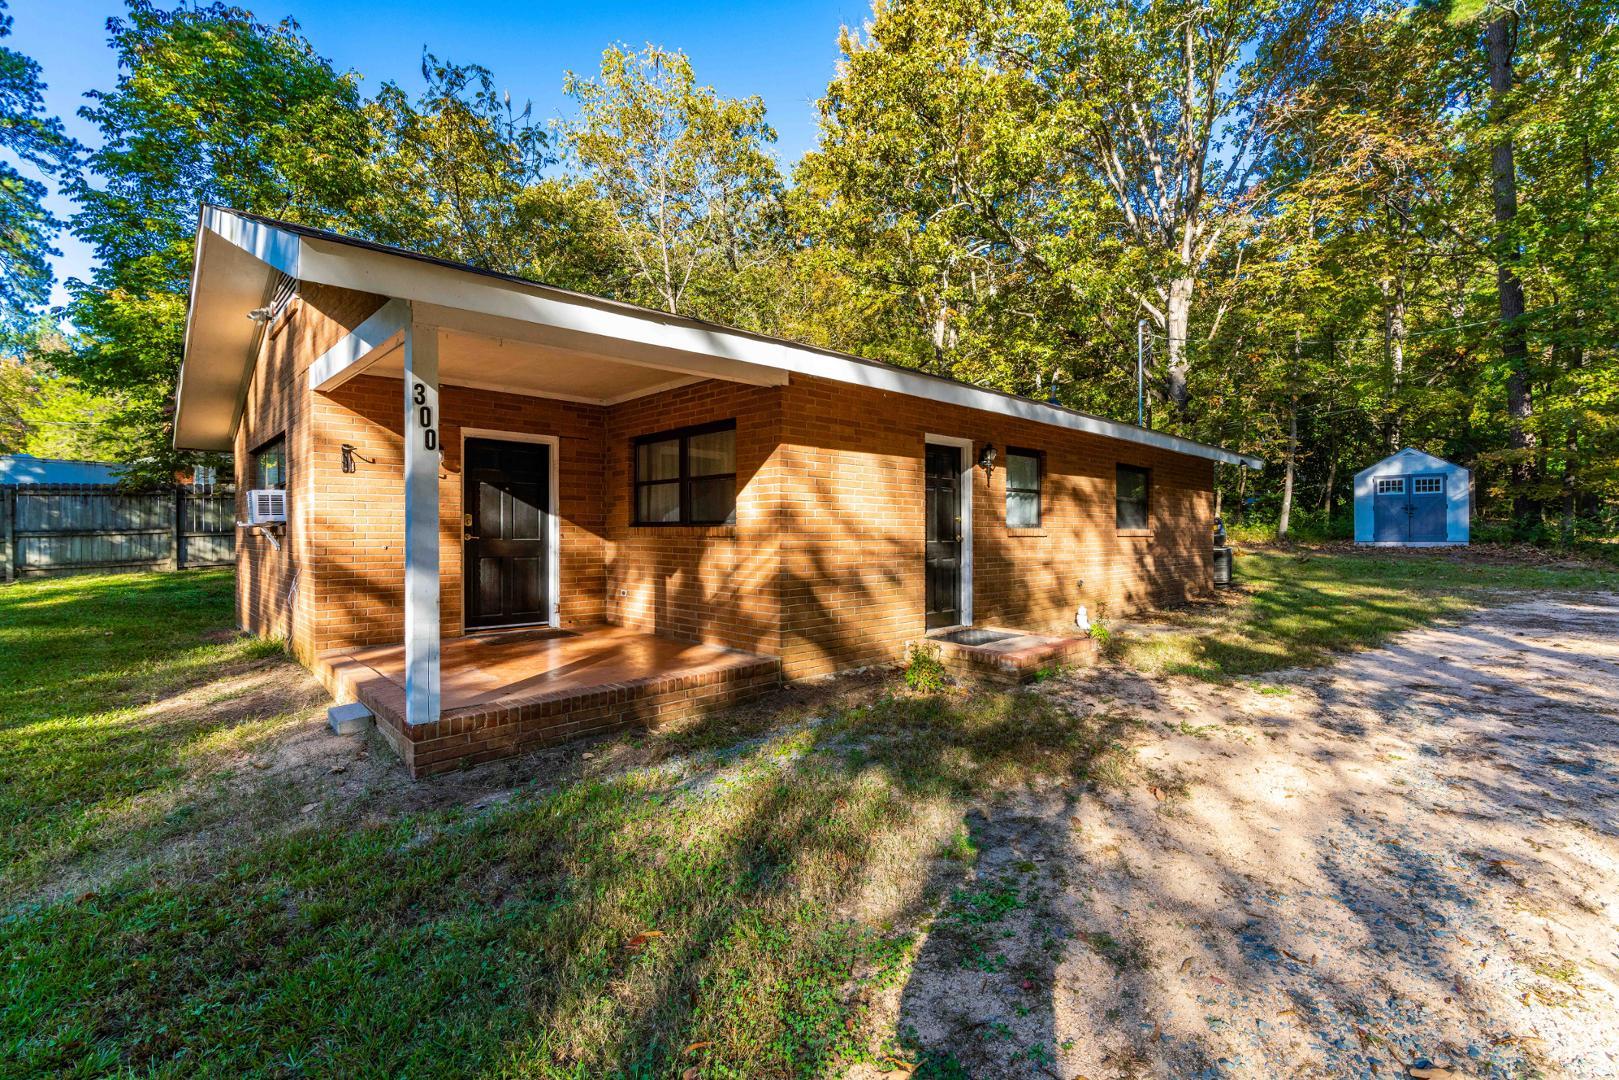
<point>240,259</point>
<point>27,469</point>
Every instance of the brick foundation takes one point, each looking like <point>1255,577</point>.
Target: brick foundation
<point>473,734</point>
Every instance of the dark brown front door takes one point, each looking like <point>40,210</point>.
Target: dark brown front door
<point>943,554</point>
<point>507,495</point>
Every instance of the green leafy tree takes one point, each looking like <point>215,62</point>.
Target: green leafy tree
<point>32,138</point>
<point>937,189</point>
<point>1177,123</point>
<point>210,106</point>
<point>17,384</point>
<point>692,191</point>
<point>460,173</point>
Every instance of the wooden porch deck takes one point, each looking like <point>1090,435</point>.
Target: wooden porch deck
<point>506,692</point>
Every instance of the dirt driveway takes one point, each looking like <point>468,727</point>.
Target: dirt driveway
<point>1411,857</point>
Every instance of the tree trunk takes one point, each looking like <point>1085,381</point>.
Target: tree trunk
<point>1332,472</point>
<point>1394,334</point>
<point>1514,339</point>
<point>944,335</point>
<point>1285,521</point>
<point>1332,437</point>
<point>1177,315</point>
<point>1571,449</point>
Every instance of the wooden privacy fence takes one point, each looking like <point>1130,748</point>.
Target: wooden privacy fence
<point>77,528</point>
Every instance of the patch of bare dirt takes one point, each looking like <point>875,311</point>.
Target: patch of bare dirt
<point>262,761</point>
<point>1410,857</point>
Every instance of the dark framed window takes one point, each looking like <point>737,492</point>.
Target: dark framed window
<point>687,477</point>
<point>270,464</point>
<point>1134,497</point>
<point>1024,471</point>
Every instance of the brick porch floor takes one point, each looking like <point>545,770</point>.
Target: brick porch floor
<point>504,693</point>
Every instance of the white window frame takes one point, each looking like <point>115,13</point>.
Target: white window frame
<point>553,539</point>
<point>1417,483</point>
<point>964,492</point>
<point>1391,485</point>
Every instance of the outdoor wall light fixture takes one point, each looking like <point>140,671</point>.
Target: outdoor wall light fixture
<point>348,458</point>
<point>986,460</point>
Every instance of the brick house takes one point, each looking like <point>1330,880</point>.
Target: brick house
<point>516,514</point>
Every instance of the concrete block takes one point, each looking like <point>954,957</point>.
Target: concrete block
<point>348,719</point>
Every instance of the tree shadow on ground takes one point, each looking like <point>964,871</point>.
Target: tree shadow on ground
<point>1396,861</point>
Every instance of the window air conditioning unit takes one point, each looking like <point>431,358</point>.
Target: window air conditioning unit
<point>266,506</point>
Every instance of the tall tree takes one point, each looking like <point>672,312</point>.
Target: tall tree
<point>938,188</point>
<point>461,173</point>
<point>35,139</point>
<point>685,172</point>
<point>1501,40</point>
<point>210,106</point>
<point>1182,125</point>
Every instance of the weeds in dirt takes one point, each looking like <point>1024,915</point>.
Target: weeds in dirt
<point>924,671</point>
<point>1124,956</point>
<point>960,847</point>
<point>1557,969</point>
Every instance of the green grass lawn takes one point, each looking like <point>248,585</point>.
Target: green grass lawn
<point>731,911</point>
<point>1298,607</point>
<point>82,662</point>
<point>597,928</point>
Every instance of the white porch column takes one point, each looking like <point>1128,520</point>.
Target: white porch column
<point>422,455</point>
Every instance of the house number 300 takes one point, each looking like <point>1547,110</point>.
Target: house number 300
<point>424,416</point>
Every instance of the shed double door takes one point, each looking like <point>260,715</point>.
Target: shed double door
<point>506,493</point>
<point>1409,509</point>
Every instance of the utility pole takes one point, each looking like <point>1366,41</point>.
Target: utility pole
<point>1141,369</point>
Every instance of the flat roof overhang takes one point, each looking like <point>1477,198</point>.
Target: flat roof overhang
<point>240,257</point>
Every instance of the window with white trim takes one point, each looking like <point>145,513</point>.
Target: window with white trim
<point>1391,486</point>
<point>1022,489</point>
<point>1427,485</point>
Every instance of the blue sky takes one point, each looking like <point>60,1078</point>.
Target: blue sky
<point>783,51</point>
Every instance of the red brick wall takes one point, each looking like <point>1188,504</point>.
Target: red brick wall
<point>273,595</point>
<point>852,587</point>
<point>360,517</point>
<point>824,565</point>
<point>715,584</point>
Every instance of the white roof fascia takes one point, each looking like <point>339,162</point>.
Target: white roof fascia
<point>332,262</point>
<point>1428,460</point>
<point>275,247</point>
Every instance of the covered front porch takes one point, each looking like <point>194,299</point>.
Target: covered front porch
<point>506,497</point>
<point>506,692</point>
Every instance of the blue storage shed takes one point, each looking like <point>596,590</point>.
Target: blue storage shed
<point>1412,499</point>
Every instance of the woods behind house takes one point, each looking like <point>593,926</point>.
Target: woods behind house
<point>1333,229</point>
